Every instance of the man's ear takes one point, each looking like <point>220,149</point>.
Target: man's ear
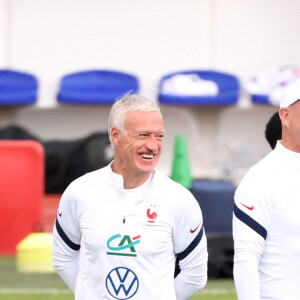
<point>115,135</point>
<point>284,115</point>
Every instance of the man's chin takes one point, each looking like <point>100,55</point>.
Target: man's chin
<point>146,170</point>
<point>147,166</point>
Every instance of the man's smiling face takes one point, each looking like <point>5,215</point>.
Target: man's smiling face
<point>139,147</point>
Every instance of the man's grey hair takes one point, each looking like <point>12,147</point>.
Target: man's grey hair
<point>125,104</point>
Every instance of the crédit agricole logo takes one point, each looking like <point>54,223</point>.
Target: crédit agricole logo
<point>123,246</point>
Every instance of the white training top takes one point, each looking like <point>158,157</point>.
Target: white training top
<point>266,228</point>
<point>129,239</point>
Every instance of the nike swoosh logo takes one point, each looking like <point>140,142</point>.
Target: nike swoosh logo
<point>193,230</point>
<point>249,207</point>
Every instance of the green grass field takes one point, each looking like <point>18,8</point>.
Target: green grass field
<point>17,286</point>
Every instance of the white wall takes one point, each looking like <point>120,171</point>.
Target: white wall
<point>4,33</point>
<point>146,38</point>
<point>149,39</point>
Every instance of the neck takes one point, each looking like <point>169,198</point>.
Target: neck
<point>131,181</point>
<point>134,183</point>
<point>290,145</point>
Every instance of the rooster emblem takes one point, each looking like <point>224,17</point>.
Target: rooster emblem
<point>152,216</point>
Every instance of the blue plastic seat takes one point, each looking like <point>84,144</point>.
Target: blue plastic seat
<point>269,84</point>
<point>260,99</point>
<point>228,90</point>
<point>96,87</point>
<point>17,88</point>
<point>264,99</point>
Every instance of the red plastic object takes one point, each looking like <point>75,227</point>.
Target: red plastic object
<point>21,191</point>
<point>50,207</point>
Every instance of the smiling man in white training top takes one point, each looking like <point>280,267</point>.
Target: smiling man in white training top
<point>120,229</point>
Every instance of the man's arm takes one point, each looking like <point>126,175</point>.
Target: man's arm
<point>190,247</point>
<point>66,239</point>
<point>65,260</point>
<point>248,246</point>
<point>246,275</point>
<point>193,275</point>
<point>251,218</point>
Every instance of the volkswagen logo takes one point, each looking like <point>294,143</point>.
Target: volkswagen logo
<point>122,283</point>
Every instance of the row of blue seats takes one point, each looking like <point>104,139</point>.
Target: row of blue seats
<point>105,86</point>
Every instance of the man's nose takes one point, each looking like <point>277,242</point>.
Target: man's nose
<point>152,143</point>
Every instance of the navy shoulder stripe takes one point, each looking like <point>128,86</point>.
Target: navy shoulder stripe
<point>250,222</point>
<point>191,246</point>
<point>65,238</point>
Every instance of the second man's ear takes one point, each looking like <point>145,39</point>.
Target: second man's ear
<point>284,115</point>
